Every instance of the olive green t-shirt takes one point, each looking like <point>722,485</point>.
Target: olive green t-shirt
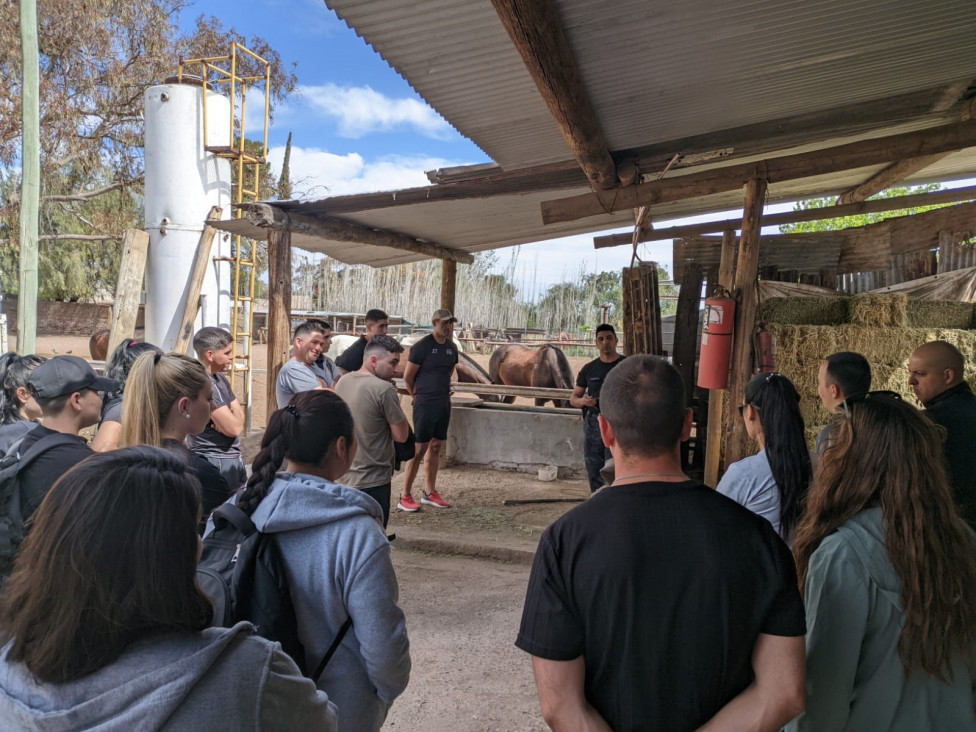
<point>375,405</point>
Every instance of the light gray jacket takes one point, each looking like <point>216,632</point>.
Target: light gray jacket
<point>337,560</point>
<point>221,678</point>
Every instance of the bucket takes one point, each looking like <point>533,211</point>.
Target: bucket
<point>548,473</point>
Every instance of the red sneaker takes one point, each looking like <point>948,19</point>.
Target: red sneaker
<point>434,499</point>
<point>406,503</point>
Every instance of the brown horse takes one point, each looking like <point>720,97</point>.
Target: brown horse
<point>517,365</point>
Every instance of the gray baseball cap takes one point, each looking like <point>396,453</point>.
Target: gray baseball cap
<point>65,375</point>
<point>442,315</point>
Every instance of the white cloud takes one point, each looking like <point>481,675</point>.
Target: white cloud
<point>318,173</point>
<point>360,110</point>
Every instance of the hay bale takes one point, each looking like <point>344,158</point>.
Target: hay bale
<point>940,314</point>
<point>803,310</point>
<point>879,311</point>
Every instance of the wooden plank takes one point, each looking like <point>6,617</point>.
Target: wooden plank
<point>864,153</point>
<point>894,173</point>
<point>128,288</point>
<point>279,309</point>
<point>794,217</point>
<point>201,263</point>
<point>745,317</point>
<point>686,327</point>
<point>272,217</point>
<point>716,397</point>
<point>448,284</point>
<point>537,33</point>
<point>532,392</point>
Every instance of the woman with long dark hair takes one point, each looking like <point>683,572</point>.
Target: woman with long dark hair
<point>104,627</point>
<point>18,410</point>
<point>119,364</point>
<point>774,482</point>
<point>335,553</point>
<point>888,572</point>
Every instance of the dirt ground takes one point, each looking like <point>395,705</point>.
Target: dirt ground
<point>462,613</point>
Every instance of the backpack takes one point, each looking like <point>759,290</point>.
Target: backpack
<point>11,511</point>
<point>242,573</point>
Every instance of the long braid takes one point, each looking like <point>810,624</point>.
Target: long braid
<point>264,468</point>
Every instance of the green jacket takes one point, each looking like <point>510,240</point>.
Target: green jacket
<point>855,679</point>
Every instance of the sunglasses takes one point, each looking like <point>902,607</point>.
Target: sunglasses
<point>880,394</point>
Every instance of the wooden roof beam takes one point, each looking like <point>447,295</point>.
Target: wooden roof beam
<point>271,217</point>
<point>537,34</point>
<point>953,195</point>
<point>893,174</point>
<point>865,153</point>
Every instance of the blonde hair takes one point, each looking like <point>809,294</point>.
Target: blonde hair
<point>156,382</point>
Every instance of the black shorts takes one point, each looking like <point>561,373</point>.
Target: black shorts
<point>431,421</point>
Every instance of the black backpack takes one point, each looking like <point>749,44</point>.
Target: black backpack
<point>11,510</point>
<point>242,573</point>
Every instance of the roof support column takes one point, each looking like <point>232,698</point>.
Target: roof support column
<point>279,310</point>
<point>746,272</point>
<point>448,284</point>
<point>716,397</point>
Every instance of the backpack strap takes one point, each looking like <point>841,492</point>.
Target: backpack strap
<point>332,649</point>
<point>236,517</point>
<point>38,448</point>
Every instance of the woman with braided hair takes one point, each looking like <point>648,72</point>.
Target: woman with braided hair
<point>335,554</point>
<point>888,572</point>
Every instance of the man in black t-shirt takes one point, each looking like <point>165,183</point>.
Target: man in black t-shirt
<point>587,395</point>
<point>427,376</point>
<point>659,604</point>
<point>377,323</point>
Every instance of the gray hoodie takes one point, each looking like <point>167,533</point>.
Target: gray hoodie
<point>221,678</point>
<point>855,678</point>
<point>337,560</point>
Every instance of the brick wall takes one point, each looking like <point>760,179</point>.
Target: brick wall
<point>67,318</point>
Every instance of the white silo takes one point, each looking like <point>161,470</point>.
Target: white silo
<point>183,181</point>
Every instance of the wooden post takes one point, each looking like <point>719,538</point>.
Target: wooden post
<point>448,284</point>
<point>279,309</point>
<point>201,262</point>
<point>30,187</point>
<point>128,288</point>
<point>686,326</point>
<point>716,397</point>
<point>745,316</point>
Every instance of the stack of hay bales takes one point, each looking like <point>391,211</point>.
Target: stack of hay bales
<point>885,329</point>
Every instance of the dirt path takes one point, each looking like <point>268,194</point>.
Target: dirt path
<point>468,676</point>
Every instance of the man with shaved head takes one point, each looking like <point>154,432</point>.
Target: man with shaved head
<point>936,377</point>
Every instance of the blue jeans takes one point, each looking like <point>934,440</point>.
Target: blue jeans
<point>595,453</point>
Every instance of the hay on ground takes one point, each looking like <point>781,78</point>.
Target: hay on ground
<point>879,311</point>
<point>803,310</point>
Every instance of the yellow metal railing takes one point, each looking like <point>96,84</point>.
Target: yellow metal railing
<point>223,72</point>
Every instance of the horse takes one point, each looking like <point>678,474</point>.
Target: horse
<point>98,345</point>
<point>518,365</point>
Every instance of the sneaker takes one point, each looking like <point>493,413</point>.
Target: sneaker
<point>406,503</point>
<point>434,499</point>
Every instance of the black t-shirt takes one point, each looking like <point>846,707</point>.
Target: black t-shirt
<point>38,477</point>
<point>663,588</point>
<point>591,378</point>
<point>352,358</point>
<point>212,442</point>
<point>214,489</point>
<point>437,362</point>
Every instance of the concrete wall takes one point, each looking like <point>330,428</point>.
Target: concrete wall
<point>524,441</point>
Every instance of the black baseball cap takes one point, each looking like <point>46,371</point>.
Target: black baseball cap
<point>66,375</point>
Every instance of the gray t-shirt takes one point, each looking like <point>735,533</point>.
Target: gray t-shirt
<point>375,405</point>
<point>293,378</point>
<point>212,442</point>
<point>750,483</point>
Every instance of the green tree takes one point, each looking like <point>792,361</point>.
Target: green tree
<point>849,222</point>
<point>97,59</point>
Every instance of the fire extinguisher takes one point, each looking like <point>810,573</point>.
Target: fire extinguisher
<point>764,350</point>
<point>716,340</point>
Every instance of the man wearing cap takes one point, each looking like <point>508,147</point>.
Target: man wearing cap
<point>427,376</point>
<point>66,388</point>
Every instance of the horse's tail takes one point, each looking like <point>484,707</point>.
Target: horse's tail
<point>552,370</point>
<point>495,363</point>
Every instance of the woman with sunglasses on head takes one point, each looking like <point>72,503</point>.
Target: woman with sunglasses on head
<point>167,397</point>
<point>18,410</point>
<point>774,482</point>
<point>888,572</point>
<point>335,554</point>
<point>110,427</point>
<point>103,625</point>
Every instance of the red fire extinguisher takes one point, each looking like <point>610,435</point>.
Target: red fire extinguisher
<point>764,350</point>
<point>716,340</point>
